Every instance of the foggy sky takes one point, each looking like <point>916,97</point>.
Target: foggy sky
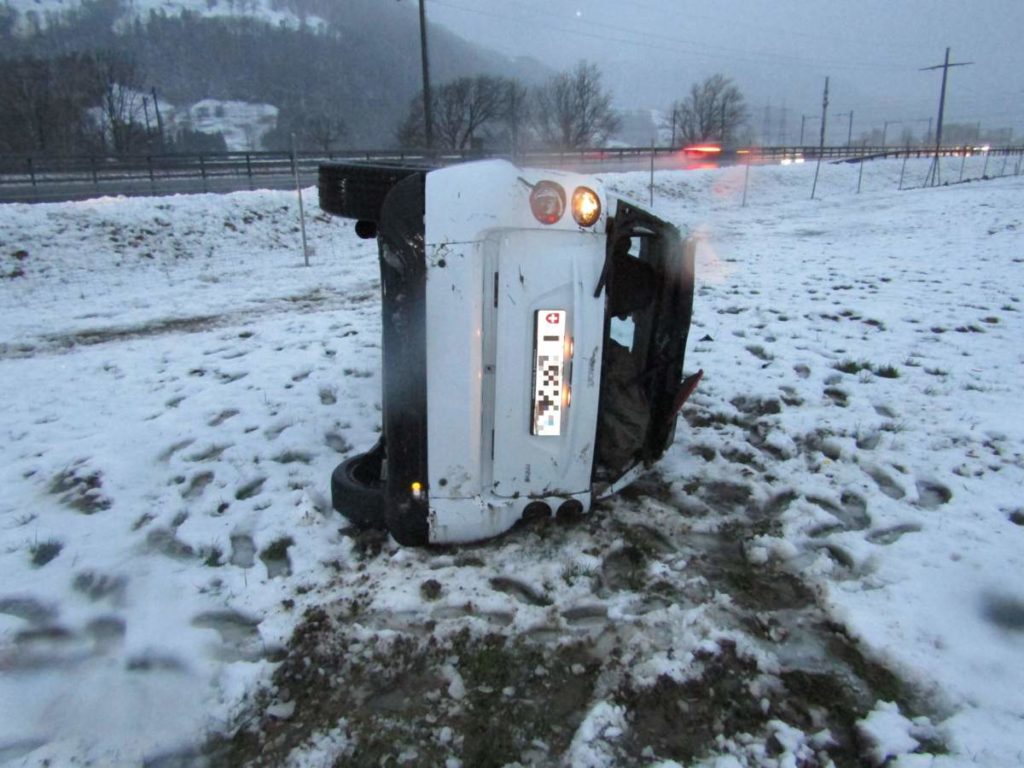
<point>779,53</point>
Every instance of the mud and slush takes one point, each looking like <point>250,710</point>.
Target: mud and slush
<point>664,641</point>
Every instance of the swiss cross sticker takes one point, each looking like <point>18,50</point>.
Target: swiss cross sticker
<point>552,318</point>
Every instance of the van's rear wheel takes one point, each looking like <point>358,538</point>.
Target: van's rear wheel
<point>357,491</point>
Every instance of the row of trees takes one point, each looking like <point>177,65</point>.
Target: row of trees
<point>96,102</point>
<point>570,111</point>
<point>72,103</point>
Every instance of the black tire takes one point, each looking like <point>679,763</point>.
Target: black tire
<point>357,491</point>
<point>357,191</point>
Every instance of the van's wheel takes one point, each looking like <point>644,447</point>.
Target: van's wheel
<point>357,491</point>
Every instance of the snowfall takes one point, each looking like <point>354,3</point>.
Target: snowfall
<point>825,568</point>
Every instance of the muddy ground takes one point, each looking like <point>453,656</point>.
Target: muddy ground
<point>675,647</point>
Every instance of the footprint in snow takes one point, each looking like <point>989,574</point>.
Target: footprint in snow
<point>850,514</point>
<point>221,417</point>
<point>231,378</point>
<point>210,453</point>
<point>243,551</point>
<point>28,608</point>
<point>197,485</point>
<point>250,489</point>
<point>891,535</point>
<point>175,447</point>
<point>885,483</point>
<point>337,442</point>
<point>274,432</point>
<point>932,495</point>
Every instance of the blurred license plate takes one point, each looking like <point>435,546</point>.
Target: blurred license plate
<point>548,369</point>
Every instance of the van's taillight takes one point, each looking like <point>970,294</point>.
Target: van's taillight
<point>547,201</point>
<point>586,206</point>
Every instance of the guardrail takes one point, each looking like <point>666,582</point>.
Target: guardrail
<point>35,177</point>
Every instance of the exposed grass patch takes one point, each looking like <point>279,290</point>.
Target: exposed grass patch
<point>887,372</point>
<point>80,489</point>
<point>44,551</point>
<point>852,366</point>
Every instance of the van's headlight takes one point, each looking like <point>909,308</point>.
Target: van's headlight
<point>586,206</point>
<point>547,201</point>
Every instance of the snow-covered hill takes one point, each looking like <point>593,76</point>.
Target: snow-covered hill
<point>37,14</point>
<point>823,570</point>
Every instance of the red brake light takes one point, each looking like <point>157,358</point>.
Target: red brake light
<point>547,201</point>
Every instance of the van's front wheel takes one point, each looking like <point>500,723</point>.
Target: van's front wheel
<point>357,491</point>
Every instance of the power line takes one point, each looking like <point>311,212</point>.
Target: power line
<point>686,45</point>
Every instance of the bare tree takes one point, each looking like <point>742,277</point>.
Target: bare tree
<point>45,101</point>
<point>120,84</point>
<point>515,117</point>
<point>572,110</point>
<point>324,131</point>
<point>712,111</point>
<point>460,109</point>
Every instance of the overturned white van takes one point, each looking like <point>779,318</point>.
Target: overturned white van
<point>534,329</point>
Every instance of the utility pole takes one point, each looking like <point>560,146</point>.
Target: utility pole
<point>159,121</point>
<point>821,143</point>
<point>803,122</point>
<point>885,128</point>
<point>935,172</point>
<point>428,117</point>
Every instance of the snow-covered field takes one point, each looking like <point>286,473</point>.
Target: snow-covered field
<point>825,567</point>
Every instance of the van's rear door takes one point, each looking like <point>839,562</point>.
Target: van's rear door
<point>545,403</point>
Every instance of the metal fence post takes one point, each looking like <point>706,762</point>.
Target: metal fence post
<point>903,170</point>
<point>860,174</point>
<point>302,215</point>
<point>202,171</point>
<point>963,162</point>
<point>984,171</point>
<point>31,170</point>
<point>652,174</point>
<point>746,182</point>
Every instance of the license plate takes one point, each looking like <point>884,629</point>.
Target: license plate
<point>548,372</point>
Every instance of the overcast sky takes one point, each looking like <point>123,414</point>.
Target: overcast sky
<point>779,52</point>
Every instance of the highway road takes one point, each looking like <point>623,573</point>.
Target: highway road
<point>45,190</point>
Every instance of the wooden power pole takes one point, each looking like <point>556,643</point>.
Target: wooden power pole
<point>821,142</point>
<point>428,117</point>
<point>934,173</point>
